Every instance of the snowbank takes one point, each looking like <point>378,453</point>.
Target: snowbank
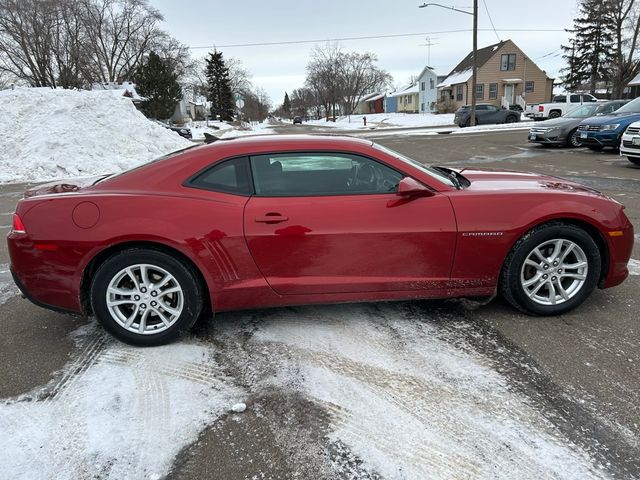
<point>48,134</point>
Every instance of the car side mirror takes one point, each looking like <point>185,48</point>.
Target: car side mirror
<point>408,187</point>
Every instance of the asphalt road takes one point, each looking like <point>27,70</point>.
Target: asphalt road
<point>575,378</point>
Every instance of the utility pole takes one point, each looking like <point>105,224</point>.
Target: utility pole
<point>474,53</point>
<point>429,44</point>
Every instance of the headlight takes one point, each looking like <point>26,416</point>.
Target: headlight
<point>553,130</point>
<point>613,126</point>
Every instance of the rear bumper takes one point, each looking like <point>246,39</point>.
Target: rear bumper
<point>45,277</point>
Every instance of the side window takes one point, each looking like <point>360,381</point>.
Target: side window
<point>574,99</point>
<point>588,98</point>
<point>480,108</point>
<point>229,176</point>
<point>559,99</point>
<point>308,174</point>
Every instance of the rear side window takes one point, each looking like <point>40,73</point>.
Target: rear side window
<point>229,176</point>
<point>575,99</point>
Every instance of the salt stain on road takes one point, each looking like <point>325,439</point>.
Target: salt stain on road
<point>116,411</point>
<point>8,288</point>
<point>634,267</point>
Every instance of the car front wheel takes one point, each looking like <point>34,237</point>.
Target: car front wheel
<point>551,270</point>
<point>573,139</point>
<point>146,297</point>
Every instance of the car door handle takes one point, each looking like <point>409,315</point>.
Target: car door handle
<point>271,217</point>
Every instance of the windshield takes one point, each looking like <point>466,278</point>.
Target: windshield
<point>441,177</point>
<point>632,107</point>
<point>582,111</point>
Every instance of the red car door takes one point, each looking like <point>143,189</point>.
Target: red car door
<point>332,223</point>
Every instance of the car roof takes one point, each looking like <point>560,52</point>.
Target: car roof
<point>259,142</point>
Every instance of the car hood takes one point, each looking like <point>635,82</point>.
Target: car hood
<point>63,186</point>
<point>505,180</point>
<point>558,122</point>
<point>625,117</point>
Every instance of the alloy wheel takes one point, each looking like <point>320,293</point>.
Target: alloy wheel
<point>554,272</point>
<point>144,299</point>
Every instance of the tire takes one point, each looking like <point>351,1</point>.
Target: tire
<point>634,160</point>
<point>573,140</point>
<point>554,114</point>
<point>511,119</point>
<point>595,148</point>
<point>467,123</point>
<point>163,311</point>
<point>526,287</point>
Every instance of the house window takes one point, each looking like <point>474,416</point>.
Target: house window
<point>528,86</point>
<point>422,86</point>
<point>480,91</point>
<point>493,91</point>
<point>432,84</point>
<point>459,93</point>
<point>508,62</point>
<point>422,107</point>
<point>409,98</point>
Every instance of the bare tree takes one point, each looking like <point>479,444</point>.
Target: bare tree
<point>340,79</point>
<point>625,64</point>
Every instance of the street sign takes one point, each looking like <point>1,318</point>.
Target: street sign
<point>239,102</point>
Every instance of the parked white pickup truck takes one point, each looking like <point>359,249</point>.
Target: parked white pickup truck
<point>560,105</point>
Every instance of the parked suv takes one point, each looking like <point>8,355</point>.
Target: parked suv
<point>606,131</point>
<point>564,130</point>
<point>486,113</point>
<point>631,143</point>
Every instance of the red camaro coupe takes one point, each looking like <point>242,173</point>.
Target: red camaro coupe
<point>290,220</point>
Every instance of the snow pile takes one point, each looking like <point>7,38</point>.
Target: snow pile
<point>263,128</point>
<point>381,120</point>
<point>47,134</point>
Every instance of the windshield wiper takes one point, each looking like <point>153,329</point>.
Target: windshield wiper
<point>451,175</point>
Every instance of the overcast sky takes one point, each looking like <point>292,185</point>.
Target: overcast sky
<point>281,68</point>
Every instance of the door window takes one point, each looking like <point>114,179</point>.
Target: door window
<point>574,98</point>
<point>309,174</point>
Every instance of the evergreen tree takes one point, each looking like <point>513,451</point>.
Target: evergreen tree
<point>219,87</point>
<point>157,81</point>
<point>286,105</point>
<point>591,47</point>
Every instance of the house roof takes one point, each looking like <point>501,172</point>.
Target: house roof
<point>424,70</point>
<point>375,97</point>
<point>456,77</point>
<point>483,55</point>
<point>407,90</point>
<point>635,81</point>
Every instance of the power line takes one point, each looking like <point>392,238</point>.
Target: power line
<point>491,21</point>
<point>371,37</point>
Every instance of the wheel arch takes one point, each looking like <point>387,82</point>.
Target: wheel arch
<point>98,259</point>
<point>588,227</point>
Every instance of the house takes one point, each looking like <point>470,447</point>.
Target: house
<point>371,103</point>
<point>187,110</point>
<point>506,76</point>
<point>633,89</point>
<point>428,93</point>
<point>405,100</point>
<point>391,103</point>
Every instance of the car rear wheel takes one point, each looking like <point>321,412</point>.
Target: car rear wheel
<point>511,119</point>
<point>146,297</point>
<point>635,160</point>
<point>573,139</point>
<point>554,114</point>
<point>551,270</point>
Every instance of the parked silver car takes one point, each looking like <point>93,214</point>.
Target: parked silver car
<point>563,130</point>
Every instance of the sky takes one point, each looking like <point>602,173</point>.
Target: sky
<point>280,68</point>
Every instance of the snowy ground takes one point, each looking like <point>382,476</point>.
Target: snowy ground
<point>401,397</point>
<point>385,120</point>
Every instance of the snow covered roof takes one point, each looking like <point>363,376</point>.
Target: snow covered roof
<point>457,77</point>
<point>375,97</point>
<point>408,90</point>
<point>119,89</point>
<point>512,80</point>
<point>635,81</point>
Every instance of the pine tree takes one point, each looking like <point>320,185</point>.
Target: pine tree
<point>286,105</point>
<point>219,87</point>
<point>157,81</point>
<point>591,47</point>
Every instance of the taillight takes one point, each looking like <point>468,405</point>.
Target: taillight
<point>540,108</point>
<point>18,226</point>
